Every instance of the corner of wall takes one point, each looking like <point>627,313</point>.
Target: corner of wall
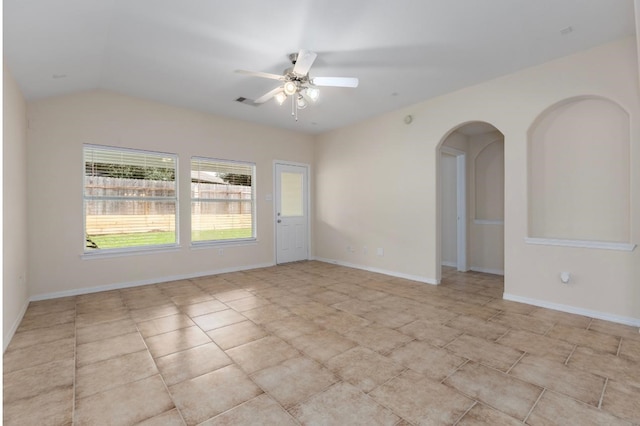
<point>15,293</point>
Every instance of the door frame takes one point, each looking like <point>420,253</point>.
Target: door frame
<point>275,207</point>
<point>461,205</point>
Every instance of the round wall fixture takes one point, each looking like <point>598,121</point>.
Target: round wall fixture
<point>408,119</point>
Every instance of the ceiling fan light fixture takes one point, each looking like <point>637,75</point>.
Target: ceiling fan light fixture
<point>301,102</point>
<point>313,93</point>
<point>290,88</point>
<point>280,97</point>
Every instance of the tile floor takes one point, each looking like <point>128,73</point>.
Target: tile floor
<point>318,344</point>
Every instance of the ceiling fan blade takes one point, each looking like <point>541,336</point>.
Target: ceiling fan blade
<point>270,94</point>
<point>261,74</point>
<point>335,81</point>
<point>304,61</point>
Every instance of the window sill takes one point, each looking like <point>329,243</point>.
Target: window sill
<point>108,253</point>
<point>604,245</point>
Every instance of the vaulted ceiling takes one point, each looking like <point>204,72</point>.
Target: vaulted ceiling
<point>184,52</point>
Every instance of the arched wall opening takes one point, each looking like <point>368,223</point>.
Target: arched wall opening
<point>471,198</point>
<point>579,172</point>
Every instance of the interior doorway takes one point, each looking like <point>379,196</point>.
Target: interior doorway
<point>471,176</point>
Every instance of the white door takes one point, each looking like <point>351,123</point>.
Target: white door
<point>292,222</point>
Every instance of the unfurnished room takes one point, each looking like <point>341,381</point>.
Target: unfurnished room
<point>418,212</point>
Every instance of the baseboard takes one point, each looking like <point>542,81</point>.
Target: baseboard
<point>7,338</point>
<point>634,322</point>
<point>487,270</point>
<point>118,286</point>
<point>449,264</point>
<point>379,271</point>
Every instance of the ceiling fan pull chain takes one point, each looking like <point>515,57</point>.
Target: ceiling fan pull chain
<point>294,108</point>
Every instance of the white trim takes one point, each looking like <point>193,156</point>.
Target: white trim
<point>450,264</point>
<point>379,271</point>
<point>118,286</point>
<point>634,322</point>
<point>7,338</point>
<point>604,245</point>
<point>120,252</point>
<point>488,222</point>
<point>487,270</point>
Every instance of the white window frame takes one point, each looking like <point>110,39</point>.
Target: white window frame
<point>106,252</point>
<point>230,241</point>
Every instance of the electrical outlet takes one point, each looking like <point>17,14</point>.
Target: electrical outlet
<point>380,251</point>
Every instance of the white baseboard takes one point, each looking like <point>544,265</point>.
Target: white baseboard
<point>487,270</point>
<point>7,338</point>
<point>379,271</point>
<point>634,322</point>
<point>118,286</point>
<point>450,264</point>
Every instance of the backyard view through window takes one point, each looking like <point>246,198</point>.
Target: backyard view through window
<point>222,200</point>
<point>129,198</point>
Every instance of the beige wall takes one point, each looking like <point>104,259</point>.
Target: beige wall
<point>400,213</point>
<point>58,128</point>
<point>14,207</point>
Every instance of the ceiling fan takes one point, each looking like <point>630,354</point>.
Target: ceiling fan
<point>297,84</point>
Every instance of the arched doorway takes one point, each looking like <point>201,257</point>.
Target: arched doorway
<point>471,176</point>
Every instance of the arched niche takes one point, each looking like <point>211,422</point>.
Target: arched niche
<point>579,172</point>
<point>489,182</point>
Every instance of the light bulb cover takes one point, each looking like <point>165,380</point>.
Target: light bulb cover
<point>280,97</point>
<point>301,102</point>
<point>290,88</point>
<point>313,93</point>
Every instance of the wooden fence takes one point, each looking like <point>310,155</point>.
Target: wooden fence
<point>222,206</point>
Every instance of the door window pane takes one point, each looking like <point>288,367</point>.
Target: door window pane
<point>291,194</point>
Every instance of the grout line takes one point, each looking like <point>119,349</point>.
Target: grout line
<point>504,334</point>
<point>534,406</point>
<point>515,363</point>
<point>566,362</point>
<point>465,413</point>
<point>606,382</point>
<point>456,370</point>
<point>589,325</point>
<point>500,312</point>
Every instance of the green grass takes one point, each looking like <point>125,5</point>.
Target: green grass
<point>143,239</point>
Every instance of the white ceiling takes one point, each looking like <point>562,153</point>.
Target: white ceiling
<point>184,52</point>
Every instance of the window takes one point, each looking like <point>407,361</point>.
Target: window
<point>130,199</point>
<point>222,200</point>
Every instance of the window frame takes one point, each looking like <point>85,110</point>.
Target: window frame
<point>120,251</point>
<point>230,241</point>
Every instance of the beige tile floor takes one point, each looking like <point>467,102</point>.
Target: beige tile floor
<point>314,343</point>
